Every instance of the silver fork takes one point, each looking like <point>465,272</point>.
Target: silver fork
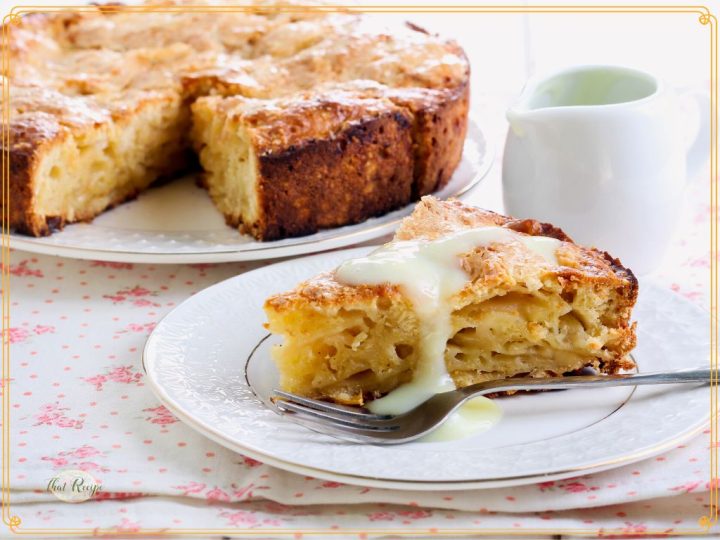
<point>361,426</point>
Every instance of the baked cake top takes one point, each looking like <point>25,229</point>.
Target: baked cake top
<point>489,268</point>
<point>114,60</point>
<point>289,122</point>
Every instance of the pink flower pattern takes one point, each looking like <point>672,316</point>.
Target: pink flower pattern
<point>137,296</point>
<point>120,375</point>
<point>21,334</point>
<point>687,487</point>
<point>572,485</point>
<point>41,329</point>
<point>238,518</point>
<point>78,459</point>
<point>113,265</point>
<point>246,519</point>
<point>138,328</point>
<point>53,414</point>
<point>23,269</point>
<point>381,516</point>
<point>114,495</point>
<point>250,462</point>
<point>245,492</point>
<point>17,335</point>
<point>160,415</point>
<point>331,485</point>
<point>192,488</point>
<point>217,494</point>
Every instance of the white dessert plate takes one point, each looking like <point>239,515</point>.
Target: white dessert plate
<point>177,223</point>
<point>208,361</point>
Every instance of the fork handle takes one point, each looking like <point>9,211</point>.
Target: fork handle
<point>697,375</point>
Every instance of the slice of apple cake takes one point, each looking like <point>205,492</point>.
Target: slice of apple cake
<point>460,296</point>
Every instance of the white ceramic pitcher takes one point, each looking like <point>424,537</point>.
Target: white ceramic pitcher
<point>601,152</point>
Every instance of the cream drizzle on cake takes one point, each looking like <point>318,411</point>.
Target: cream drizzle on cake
<point>429,273</point>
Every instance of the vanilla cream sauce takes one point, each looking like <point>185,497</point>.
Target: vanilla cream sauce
<point>429,273</point>
<point>474,416</point>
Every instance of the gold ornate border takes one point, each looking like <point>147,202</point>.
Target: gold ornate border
<point>705,18</point>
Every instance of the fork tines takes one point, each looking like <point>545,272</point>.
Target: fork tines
<point>332,414</point>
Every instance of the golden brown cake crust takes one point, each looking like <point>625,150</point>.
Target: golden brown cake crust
<point>90,69</point>
<point>439,136</point>
<point>439,128</point>
<point>433,218</point>
<point>287,124</point>
<point>22,167</point>
<point>365,171</point>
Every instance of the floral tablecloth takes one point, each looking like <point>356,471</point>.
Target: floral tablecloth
<point>79,401</point>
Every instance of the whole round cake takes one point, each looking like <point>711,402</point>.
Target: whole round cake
<point>301,119</point>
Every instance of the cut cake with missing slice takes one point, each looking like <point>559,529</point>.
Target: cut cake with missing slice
<point>363,117</point>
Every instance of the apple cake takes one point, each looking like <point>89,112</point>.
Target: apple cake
<point>300,120</point>
<point>460,296</point>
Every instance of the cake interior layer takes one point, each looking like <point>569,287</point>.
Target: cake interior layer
<point>227,155</point>
<point>89,170</point>
<point>351,354</point>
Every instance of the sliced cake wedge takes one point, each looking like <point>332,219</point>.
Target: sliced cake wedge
<point>461,295</point>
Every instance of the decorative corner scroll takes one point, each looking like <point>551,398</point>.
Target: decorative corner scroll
<point>14,522</point>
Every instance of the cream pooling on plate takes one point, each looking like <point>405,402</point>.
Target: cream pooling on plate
<point>474,416</point>
<point>429,274</point>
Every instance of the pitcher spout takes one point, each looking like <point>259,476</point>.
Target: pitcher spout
<point>520,115</point>
<point>519,118</point>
